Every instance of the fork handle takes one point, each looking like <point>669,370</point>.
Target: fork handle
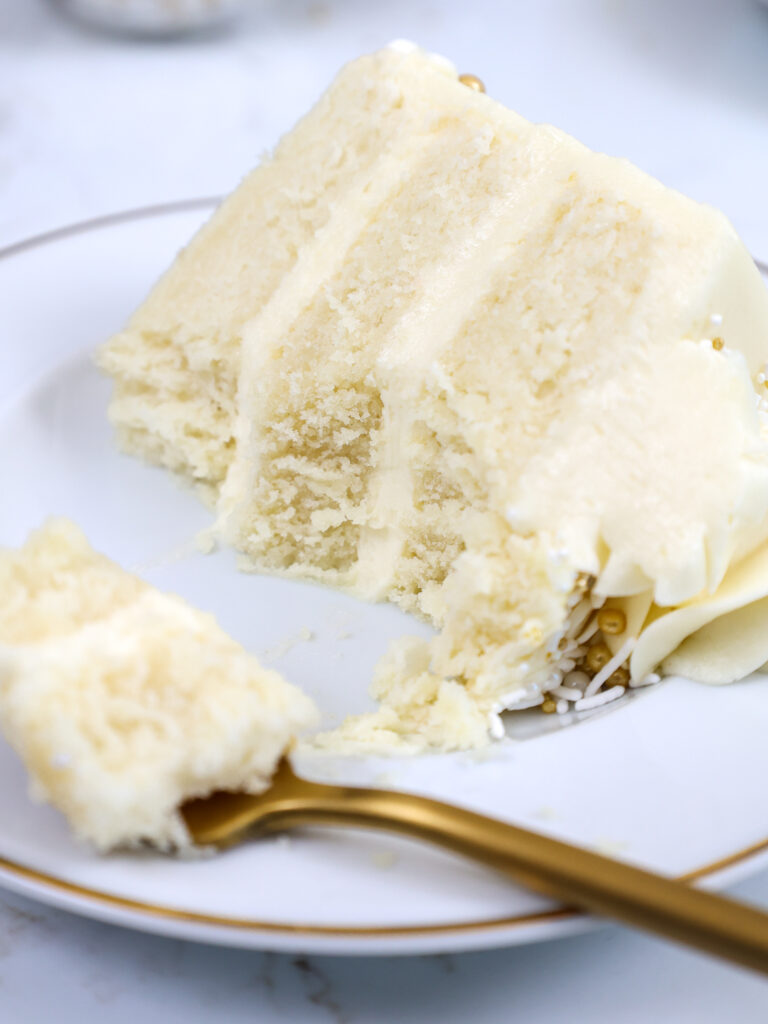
<point>568,873</point>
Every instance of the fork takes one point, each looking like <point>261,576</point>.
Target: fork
<point>567,873</point>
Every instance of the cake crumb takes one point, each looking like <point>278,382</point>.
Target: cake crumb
<point>385,779</point>
<point>142,697</point>
<point>545,813</point>
<point>205,541</point>
<point>304,635</point>
<point>384,860</point>
<point>609,847</point>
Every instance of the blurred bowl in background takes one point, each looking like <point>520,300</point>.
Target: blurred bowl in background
<point>152,17</point>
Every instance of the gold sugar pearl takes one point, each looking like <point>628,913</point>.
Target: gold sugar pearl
<point>619,678</point>
<point>611,621</point>
<point>717,344</point>
<point>598,657</point>
<point>549,707</point>
<point>472,82</point>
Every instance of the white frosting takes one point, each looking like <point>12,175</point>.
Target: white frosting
<point>649,475</point>
<point>736,641</point>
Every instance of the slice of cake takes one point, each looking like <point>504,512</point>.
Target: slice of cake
<point>502,381</point>
<point>124,702</point>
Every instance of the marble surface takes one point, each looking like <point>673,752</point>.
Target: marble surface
<point>54,967</point>
<point>89,125</point>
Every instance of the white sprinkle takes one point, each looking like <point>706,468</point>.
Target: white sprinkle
<point>761,378</point>
<point>648,680</point>
<point>598,699</point>
<point>577,680</point>
<point>610,667</point>
<point>716,319</point>
<point>495,727</point>
<point>567,692</point>
<point>588,633</point>
<point>519,701</point>
<point>526,693</point>
<point>579,615</point>
<point>553,644</point>
<point>61,761</point>
<point>561,707</point>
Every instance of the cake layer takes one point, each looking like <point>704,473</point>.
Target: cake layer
<point>124,702</point>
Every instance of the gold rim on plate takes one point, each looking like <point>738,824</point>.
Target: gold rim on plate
<point>391,931</point>
<point>157,911</point>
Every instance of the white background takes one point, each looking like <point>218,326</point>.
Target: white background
<point>89,125</point>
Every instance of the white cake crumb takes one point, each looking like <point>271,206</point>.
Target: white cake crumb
<point>385,780</point>
<point>285,646</point>
<point>610,847</point>
<point>206,541</point>
<point>545,813</point>
<point>124,702</point>
<point>384,860</point>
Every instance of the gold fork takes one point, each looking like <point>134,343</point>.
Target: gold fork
<point>568,873</point>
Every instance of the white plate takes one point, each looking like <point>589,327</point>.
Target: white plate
<point>674,780</point>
